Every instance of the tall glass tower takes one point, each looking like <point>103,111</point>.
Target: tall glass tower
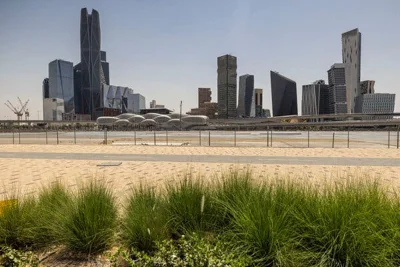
<point>91,70</point>
<point>61,83</point>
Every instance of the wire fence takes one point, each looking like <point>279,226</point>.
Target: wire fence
<point>271,138</point>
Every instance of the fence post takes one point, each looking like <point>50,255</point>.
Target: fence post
<point>388,139</point>
<point>166,133</point>
<point>57,136</point>
<point>155,142</point>
<point>267,137</point>
<point>200,137</point>
<point>74,136</point>
<point>234,132</point>
<point>46,137</point>
<point>13,138</point>
<point>105,136</point>
<point>271,139</point>
<point>135,137</point>
<point>209,138</point>
<point>19,136</point>
<point>348,137</point>
<point>398,136</point>
<point>333,140</point>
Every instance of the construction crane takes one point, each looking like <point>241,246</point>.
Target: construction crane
<point>19,112</point>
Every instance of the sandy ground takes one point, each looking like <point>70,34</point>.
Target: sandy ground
<point>29,175</point>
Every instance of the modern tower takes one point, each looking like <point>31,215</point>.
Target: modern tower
<point>204,96</point>
<point>351,55</point>
<point>284,95</point>
<point>45,88</point>
<point>227,86</point>
<point>337,89</point>
<point>61,83</point>
<point>315,98</point>
<point>258,99</point>
<point>105,67</point>
<point>91,70</point>
<point>246,105</point>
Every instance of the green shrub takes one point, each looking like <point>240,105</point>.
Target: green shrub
<point>90,220</point>
<point>17,222</point>
<point>186,251</point>
<point>144,220</point>
<point>13,257</point>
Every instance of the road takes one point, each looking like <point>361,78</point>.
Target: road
<point>335,161</point>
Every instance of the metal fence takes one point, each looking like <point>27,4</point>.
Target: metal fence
<point>271,138</point>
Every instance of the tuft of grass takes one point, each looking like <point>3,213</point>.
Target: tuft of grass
<point>53,201</point>
<point>144,220</point>
<point>90,220</point>
<point>17,221</point>
<point>188,206</point>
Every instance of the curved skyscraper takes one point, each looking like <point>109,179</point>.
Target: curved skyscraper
<point>284,95</point>
<point>91,70</point>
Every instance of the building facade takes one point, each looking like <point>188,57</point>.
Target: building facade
<point>337,89</point>
<point>315,98</point>
<point>367,87</point>
<point>204,95</point>
<point>45,88</point>
<point>91,69</point>
<point>105,66</point>
<point>351,55</point>
<point>61,83</point>
<point>258,101</point>
<point>136,102</point>
<point>246,104</point>
<point>227,86</point>
<point>53,109</point>
<point>284,95</point>
<point>115,97</point>
<point>375,104</point>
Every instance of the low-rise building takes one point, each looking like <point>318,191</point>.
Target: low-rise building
<point>53,109</point>
<point>375,104</point>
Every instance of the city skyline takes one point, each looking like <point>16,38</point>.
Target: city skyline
<point>380,59</point>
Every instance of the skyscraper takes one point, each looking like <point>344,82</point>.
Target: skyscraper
<point>315,98</point>
<point>45,88</point>
<point>91,69</point>
<point>78,98</point>
<point>61,83</point>
<point>351,55</point>
<point>337,89</point>
<point>227,86</point>
<point>246,105</point>
<point>258,93</point>
<point>284,95</point>
<point>105,67</point>
<point>204,96</point>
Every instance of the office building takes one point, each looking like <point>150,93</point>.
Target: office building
<point>53,109</point>
<point>258,100</point>
<point>105,67</point>
<point>351,55</point>
<point>136,102</point>
<point>45,88</point>
<point>204,96</point>
<point>284,95</point>
<point>78,98</point>
<point>337,89</point>
<point>367,87</point>
<point>153,104</point>
<point>246,104</point>
<point>315,98</point>
<point>61,83</point>
<point>375,104</point>
<point>91,69</point>
<point>227,86</point>
<point>115,97</point>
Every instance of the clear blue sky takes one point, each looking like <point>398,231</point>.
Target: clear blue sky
<point>166,49</point>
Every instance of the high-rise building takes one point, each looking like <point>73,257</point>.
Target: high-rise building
<point>337,89</point>
<point>375,104</point>
<point>45,87</point>
<point>204,96</point>
<point>136,102</point>
<point>351,55</point>
<point>246,105</point>
<point>367,87</point>
<point>284,95</point>
<point>61,83</point>
<point>315,98</point>
<point>105,67</point>
<point>227,86</point>
<point>258,100</point>
<point>78,97</point>
<point>91,69</point>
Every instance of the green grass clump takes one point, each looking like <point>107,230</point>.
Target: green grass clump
<point>144,220</point>
<point>17,222</point>
<point>90,220</point>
